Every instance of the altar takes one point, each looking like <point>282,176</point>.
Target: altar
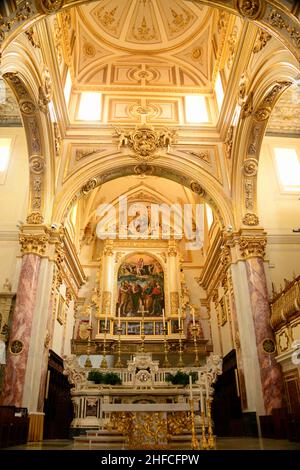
<point>145,407</point>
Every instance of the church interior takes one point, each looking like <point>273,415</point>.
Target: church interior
<point>149,224</point>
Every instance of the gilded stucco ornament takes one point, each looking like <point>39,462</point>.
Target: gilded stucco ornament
<point>89,186</point>
<point>262,39</point>
<point>250,219</point>
<point>250,167</point>
<point>276,20</point>
<point>27,107</point>
<point>50,6</point>
<point>196,188</point>
<point>33,243</point>
<point>36,164</point>
<point>262,113</point>
<point>252,9</point>
<point>145,141</point>
<point>252,246</point>
<point>35,218</point>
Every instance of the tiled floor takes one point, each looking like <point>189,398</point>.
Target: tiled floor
<point>232,443</point>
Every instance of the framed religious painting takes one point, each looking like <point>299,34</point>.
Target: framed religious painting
<point>140,287</point>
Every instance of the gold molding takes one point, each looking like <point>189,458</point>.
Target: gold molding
<point>252,246</point>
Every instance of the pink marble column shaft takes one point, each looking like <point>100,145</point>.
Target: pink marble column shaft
<point>270,371</point>
<point>21,330</point>
<point>239,361</point>
<point>50,327</point>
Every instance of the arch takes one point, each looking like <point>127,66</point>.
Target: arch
<point>249,136</point>
<point>191,176</point>
<point>277,19</point>
<point>39,139</point>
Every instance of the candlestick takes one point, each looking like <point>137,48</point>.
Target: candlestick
<point>119,362</point>
<point>180,362</point>
<point>166,361</point>
<point>196,362</point>
<point>88,362</point>
<point>103,364</point>
<point>210,437</point>
<point>195,442</point>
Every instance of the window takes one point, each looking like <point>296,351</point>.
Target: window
<point>5,144</point>
<point>288,168</point>
<point>67,88</point>
<point>209,215</point>
<point>219,91</point>
<point>196,109</point>
<point>90,106</point>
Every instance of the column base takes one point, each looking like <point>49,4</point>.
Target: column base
<point>36,427</point>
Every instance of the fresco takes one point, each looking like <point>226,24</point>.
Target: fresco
<point>140,287</point>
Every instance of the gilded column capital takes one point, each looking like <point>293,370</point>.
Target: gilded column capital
<point>35,242</point>
<point>252,244</point>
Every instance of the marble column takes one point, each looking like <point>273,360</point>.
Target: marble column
<point>21,331</point>
<point>239,352</point>
<point>271,376</point>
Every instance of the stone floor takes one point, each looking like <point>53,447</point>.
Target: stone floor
<point>229,443</point>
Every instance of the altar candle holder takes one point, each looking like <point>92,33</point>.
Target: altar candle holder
<point>88,362</point>
<point>196,361</point>
<point>195,442</point>
<point>103,364</point>
<point>180,362</point>
<point>210,438</point>
<point>166,360</point>
<point>119,362</point>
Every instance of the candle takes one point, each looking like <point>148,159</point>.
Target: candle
<point>164,320</point>
<point>193,314</point>
<point>191,387</point>
<point>105,323</point>
<point>201,400</point>
<point>207,387</point>
<point>90,316</point>
<point>179,318</point>
<point>119,317</point>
